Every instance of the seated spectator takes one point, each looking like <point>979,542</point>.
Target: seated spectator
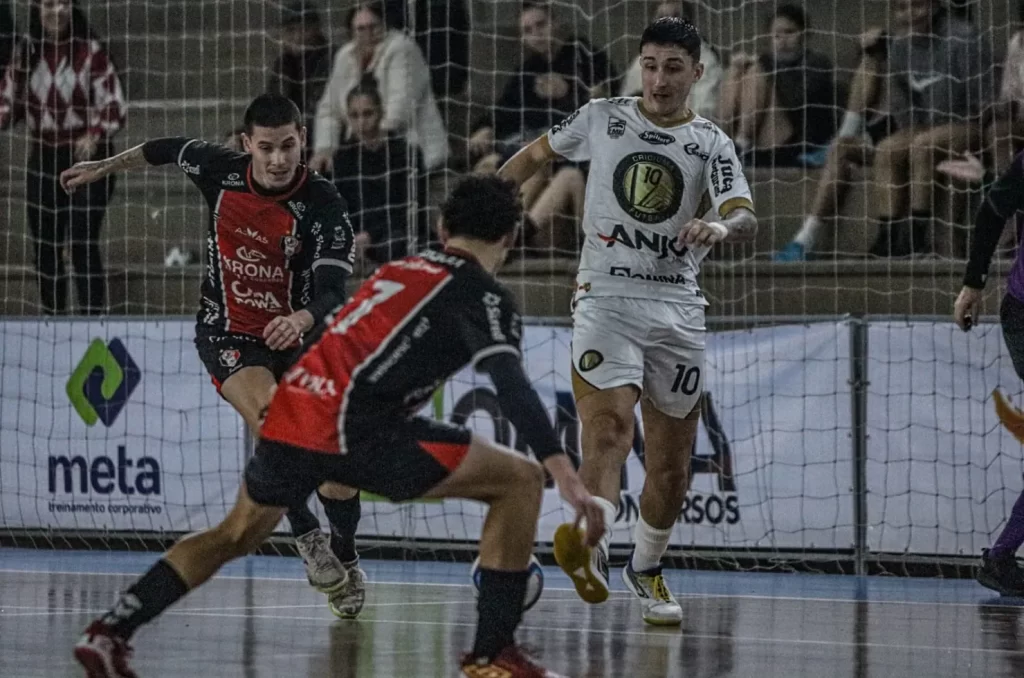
<point>779,107</point>
<point>938,67</point>
<point>301,71</point>
<point>704,95</point>
<point>556,76</point>
<point>402,76</point>
<point>371,171</point>
<point>1004,135</point>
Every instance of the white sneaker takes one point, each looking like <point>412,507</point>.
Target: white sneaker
<point>347,602</point>
<point>660,607</point>
<point>323,569</point>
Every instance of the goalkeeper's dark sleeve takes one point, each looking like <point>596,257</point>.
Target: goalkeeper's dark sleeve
<point>521,404</point>
<point>1001,202</point>
<point>164,151</point>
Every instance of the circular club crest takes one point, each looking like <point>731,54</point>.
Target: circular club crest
<point>648,186</point>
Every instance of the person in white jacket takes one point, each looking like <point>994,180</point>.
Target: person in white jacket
<point>704,96</point>
<point>394,60</point>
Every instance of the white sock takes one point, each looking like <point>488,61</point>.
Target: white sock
<point>610,510</point>
<point>808,232</point>
<point>649,545</point>
<point>852,125</point>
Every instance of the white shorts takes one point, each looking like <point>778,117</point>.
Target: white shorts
<point>656,346</point>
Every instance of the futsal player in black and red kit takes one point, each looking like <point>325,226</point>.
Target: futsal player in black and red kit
<point>347,412</point>
<point>279,248</point>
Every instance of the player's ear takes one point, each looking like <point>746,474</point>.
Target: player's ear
<point>302,136</point>
<point>246,142</point>
<point>698,71</point>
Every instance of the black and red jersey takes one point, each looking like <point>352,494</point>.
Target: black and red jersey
<point>262,249</point>
<point>410,327</point>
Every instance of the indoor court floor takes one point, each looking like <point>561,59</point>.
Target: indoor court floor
<point>259,618</point>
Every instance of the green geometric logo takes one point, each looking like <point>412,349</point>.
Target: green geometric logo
<point>102,382</point>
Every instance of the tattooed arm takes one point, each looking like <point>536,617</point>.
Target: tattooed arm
<point>87,172</point>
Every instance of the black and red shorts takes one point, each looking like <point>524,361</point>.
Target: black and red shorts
<point>225,353</point>
<point>300,447</point>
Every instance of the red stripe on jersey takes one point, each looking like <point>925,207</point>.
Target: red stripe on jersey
<point>308,409</point>
<point>255,281</point>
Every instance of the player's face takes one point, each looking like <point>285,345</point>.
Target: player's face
<point>787,38</point>
<point>55,15</point>
<point>668,73</point>
<point>535,25</point>
<point>913,16</point>
<point>364,116</point>
<point>276,154</point>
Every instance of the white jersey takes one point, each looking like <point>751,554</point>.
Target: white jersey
<point>646,182</point>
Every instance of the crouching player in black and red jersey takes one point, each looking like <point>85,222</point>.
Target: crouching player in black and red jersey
<point>279,246</point>
<point>346,412</point>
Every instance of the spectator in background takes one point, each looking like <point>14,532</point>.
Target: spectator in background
<point>68,125</point>
<point>402,76</point>
<point>301,71</point>
<point>779,107</point>
<point>556,76</point>
<point>371,171</point>
<point>442,32</point>
<point>1004,135</point>
<point>939,68</point>
<point>7,34</point>
<point>704,95</point>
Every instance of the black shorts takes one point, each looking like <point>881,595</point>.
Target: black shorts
<point>397,459</point>
<point>1011,317</point>
<point>223,354</point>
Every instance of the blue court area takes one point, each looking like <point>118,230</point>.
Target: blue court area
<point>260,618</point>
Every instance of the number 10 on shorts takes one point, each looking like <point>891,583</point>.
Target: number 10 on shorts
<point>687,379</point>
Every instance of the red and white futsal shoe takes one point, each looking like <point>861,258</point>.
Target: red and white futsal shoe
<point>512,662</point>
<point>102,654</point>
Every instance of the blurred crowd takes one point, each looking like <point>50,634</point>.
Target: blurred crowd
<point>927,105</point>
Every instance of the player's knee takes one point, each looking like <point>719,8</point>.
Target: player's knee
<point>611,435</point>
<point>529,479</point>
<point>236,539</point>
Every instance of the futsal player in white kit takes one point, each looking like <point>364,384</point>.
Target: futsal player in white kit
<point>665,185</point>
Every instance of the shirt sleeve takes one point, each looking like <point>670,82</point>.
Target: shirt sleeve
<point>333,256</point>
<point>491,324</point>
<point>520,403</point>
<point>726,182</point>
<point>571,137</point>
<point>193,156</point>
<point>1001,202</point>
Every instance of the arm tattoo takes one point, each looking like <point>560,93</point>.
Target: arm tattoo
<point>133,158</point>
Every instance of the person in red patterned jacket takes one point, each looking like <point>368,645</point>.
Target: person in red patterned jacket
<point>63,83</point>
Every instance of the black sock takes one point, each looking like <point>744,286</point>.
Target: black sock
<point>343,515</point>
<point>153,593</point>
<point>499,609</point>
<point>302,520</point>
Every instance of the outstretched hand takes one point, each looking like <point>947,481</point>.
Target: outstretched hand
<point>80,174</point>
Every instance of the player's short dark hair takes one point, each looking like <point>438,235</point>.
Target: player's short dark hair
<point>271,110</point>
<point>792,13</point>
<point>482,207</point>
<point>675,32</point>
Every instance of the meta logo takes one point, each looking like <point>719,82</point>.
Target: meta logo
<point>104,475</point>
<point>102,382</point>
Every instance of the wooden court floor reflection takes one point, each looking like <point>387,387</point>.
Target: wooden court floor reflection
<point>267,622</point>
